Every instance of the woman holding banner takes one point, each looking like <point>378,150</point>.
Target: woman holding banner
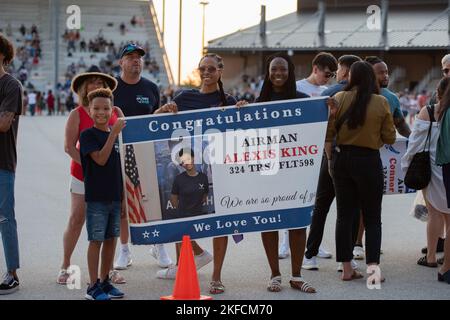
<point>79,119</point>
<point>211,94</point>
<point>362,125</point>
<point>279,84</point>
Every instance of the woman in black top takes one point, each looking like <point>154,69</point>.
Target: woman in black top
<point>279,84</point>
<point>209,95</point>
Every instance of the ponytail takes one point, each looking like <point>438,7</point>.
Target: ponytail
<point>223,97</point>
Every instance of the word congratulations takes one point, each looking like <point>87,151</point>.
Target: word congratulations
<point>257,115</point>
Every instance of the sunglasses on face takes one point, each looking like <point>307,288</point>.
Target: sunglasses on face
<point>445,71</point>
<point>329,74</point>
<point>210,69</point>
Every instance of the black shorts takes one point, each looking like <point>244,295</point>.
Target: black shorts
<point>446,176</point>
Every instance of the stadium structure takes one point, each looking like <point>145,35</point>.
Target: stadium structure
<point>412,36</point>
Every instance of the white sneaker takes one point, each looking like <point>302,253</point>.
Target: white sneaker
<point>283,252</point>
<point>123,261</point>
<point>358,253</point>
<point>324,254</point>
<point>203,259</point>
<point>159,252</point>
<point>169,273</point>
<point>310,264</point>
<point>340,267</point>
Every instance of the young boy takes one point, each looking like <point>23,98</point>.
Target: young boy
<point>103,192</point>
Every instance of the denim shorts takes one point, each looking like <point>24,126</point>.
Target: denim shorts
<point>103,220</point>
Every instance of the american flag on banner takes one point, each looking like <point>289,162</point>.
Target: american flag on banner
<point>133,185</point>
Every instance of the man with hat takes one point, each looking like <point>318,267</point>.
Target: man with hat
<point>135,95</point>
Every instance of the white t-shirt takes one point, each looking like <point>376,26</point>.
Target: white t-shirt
<point>32,98</point>
<point>310,89</point>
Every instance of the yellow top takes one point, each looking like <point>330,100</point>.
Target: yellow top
<point>378,128</point>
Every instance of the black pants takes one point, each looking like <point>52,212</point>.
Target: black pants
<point>324,198</point>
<point>358,181</point>
<point>446,177</point>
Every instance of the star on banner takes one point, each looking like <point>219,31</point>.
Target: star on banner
<point>146,234</point>
<point>155,233</point>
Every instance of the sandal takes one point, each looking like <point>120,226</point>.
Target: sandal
<point>274,284</point>
<point>63,276</point>
<point>116,277</point>
<point>423,262</point>
<point>216,287</point>
<point>300,284</point>
<point>444,277</point>
<point>355,275</point>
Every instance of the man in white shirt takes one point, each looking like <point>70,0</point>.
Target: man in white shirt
<point>324,66</point>
<point>32,102</point>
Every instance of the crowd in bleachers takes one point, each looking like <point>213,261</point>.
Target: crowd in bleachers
<point>28,50</point>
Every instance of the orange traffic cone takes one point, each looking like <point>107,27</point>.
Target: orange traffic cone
<point>186,281</point>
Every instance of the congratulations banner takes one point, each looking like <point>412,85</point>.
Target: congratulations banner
<point>255,169</point>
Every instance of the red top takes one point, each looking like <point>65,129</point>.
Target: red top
<point>86,122</point>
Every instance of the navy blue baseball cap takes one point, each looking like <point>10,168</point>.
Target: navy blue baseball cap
<point>132,47</point>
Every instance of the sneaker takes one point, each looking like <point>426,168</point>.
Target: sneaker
<point>96,293</point>
<point>358,253</point>
<point>340,267</point>
<point>123,261</point>
<point>63,276</point>
<point>283,252</point>
<point>9,285</point>
<point>159,252</point>
<point>324,254</point>
<point>310,264</point>
<point>203,259</point>
<point>110,290</point>
<point>169,273</point>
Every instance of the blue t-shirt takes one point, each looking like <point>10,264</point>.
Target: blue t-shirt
<point>338,87</point>
<point>136,99</point>
<point>190,191</point>
<point>193,99</point>
<point>394,103</point>
<point>101,183</point>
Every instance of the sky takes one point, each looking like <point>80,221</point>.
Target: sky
<point>222,17</point>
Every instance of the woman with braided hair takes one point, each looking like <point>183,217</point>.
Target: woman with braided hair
<point>210,95</point>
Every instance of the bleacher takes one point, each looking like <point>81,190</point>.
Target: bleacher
<point>106,15</point>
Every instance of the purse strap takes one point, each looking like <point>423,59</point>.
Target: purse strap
<point>430,109</point>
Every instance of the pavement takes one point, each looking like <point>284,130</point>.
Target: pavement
<point>42,210</point>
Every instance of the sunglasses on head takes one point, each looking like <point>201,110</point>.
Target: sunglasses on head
<point>445,71</point>
<point>210,69</point>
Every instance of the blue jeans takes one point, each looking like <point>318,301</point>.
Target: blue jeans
<point>8,224</point>
<point>103,220</point>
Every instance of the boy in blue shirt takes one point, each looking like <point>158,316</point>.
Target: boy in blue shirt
<point>100,160</point>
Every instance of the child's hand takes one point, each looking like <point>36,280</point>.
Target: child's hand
<point>118,126</point>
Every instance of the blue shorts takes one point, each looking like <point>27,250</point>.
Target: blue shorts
<point>103,220</point>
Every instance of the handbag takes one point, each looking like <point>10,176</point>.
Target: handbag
<point>418,175</point>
